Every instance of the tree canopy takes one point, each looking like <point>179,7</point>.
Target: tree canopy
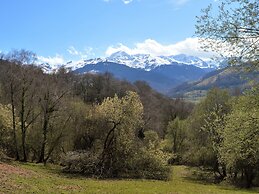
<point>240,147</point>
<point>232,30</point>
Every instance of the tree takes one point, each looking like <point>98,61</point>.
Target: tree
<point>19,82</point>
<point>240,147</point>
<point>206,126</point>
<point>176,134</point>
<point>123,116</point>
<point>50,100</point>
<point>26,103</point>
<point>21,57</point>
<point>5,130</point>
<point>85,132</point>
<point>10,85</point>
<point>233,31</point>
<point>108,143</point>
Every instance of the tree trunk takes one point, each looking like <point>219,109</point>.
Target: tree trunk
<point>54,144</point>
<point>174,141</point>
<point>107,148</point>
<point>43,146</point>
<point>224,171</point>
<point>222,174</point>
<point>24,147</point>
<point>14,124</point>
<point>23,129</point>
<point>249,175</point>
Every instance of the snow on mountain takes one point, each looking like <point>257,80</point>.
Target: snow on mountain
<point>138,61</point>
<point>49,68</point>
<point>73,65</point>
<point>190,60</point>
<point>142,61</point>
<point>148,62</point>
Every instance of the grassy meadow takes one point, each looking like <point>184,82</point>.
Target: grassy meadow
<point>33,178</point>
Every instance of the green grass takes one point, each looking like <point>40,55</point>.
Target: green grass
<point>48,179</point>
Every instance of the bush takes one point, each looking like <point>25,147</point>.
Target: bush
<point>146,164</point>
<point>151,164</point>
<point>83,162</point>
<point>3,156</point>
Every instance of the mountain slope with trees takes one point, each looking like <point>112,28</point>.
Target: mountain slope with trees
<point>236,80</point>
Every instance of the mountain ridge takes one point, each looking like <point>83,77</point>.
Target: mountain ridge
<point>161,78</point>
<point>137,61</point>
<point>161,72</point>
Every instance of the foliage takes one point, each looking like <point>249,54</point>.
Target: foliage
<point>205,128</point>
<point>122,117</point>
<point>116,149</point>
<point>175,141</point>
<point>231,30</point>
<point>83,162</point>
<point>150,160</point>
<point>6,143</point>
<point>240,148</point>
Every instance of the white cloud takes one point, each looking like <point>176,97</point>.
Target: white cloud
<point>87,52</point>
<point>56,60</point>
<point>189,46</point>
<point>127,1</point>
<point>72,51</point>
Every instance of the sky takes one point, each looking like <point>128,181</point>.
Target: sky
<point>62,30</point>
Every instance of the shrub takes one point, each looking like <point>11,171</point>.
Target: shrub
<point>83,162</point>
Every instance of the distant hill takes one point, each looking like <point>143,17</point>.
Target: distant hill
<point>229,78</point>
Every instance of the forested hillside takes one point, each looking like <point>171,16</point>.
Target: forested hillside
<point>235,79</point>
<point>64,117</point>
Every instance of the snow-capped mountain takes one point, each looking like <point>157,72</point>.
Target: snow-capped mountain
<point>161,72</point>
<point>146,62</point>
<point>142,61</point>
<point>73,65</point>
<point>190,60</point>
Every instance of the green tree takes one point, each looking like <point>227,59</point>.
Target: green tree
<point>206,126</point>
<point>231,30</point>
<point>176,135</point>
<point>240,147</point>
<point>123,117</point>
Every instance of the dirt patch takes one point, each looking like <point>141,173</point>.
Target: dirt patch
<point>7,169</point>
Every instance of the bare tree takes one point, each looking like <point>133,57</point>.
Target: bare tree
<point>233,30</point>
<point>50,104</point>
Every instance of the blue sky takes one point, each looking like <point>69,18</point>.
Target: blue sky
<point>60,30</point>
